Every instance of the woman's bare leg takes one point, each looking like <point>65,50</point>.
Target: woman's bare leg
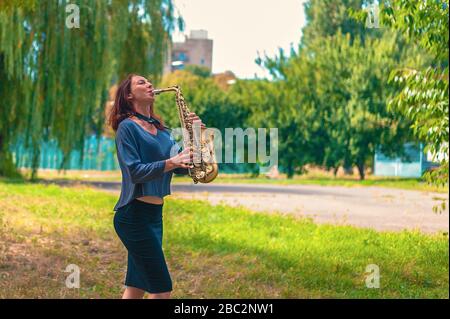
<point>133,293</point>
<point>162,295</point>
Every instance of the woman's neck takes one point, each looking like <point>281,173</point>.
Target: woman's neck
<point>146,109</point>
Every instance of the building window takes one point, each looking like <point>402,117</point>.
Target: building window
<point>202,61</point>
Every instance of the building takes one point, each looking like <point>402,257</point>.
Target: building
<point>195,50</point>
<point>413,164</point>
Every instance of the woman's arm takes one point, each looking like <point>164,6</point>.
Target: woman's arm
<point>127,151</point>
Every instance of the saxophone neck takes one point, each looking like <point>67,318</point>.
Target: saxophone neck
<point>169,89</point>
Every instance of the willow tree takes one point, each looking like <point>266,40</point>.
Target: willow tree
<point>58,60</point>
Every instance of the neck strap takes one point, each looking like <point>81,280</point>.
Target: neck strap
<point>150,120</point>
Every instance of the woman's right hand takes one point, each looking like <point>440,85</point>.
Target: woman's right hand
<point>182,159</point>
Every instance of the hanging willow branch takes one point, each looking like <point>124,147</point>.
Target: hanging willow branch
<point>53,78</point>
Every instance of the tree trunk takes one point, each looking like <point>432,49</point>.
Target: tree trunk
<point>290,169</point>
<point>348,170</point>
<point>335,171</point>
<point>254,168</point>
<point>2,155</point>
<point>7,167</point>
<point>35,163</point>
<point>361,171</point>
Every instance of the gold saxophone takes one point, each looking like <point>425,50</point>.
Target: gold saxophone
<point>204,169</point>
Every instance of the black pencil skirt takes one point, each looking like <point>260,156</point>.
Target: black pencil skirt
<point>139,226</point>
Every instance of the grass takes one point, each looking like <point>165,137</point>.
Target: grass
<point>314,177</point>
<point>212,251</point>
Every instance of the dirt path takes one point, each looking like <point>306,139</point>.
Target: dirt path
<point>374,207</point>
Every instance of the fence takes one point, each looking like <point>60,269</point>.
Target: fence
<point>413,164</point>
<point>99,154</point>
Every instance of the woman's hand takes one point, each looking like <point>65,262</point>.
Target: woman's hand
<point>195,119</point>
<point>182,159</point>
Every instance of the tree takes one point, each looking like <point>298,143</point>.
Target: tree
<point>424,96</point>
<point>334,92</point>
<point>54,79</point>
<point>326,18</point>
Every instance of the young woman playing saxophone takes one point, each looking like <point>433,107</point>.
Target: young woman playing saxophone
<point>148,156</point>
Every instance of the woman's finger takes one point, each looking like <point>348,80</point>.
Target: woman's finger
<point>200,123</point>
<point>186,150</point>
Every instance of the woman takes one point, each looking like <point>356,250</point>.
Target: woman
<point>148,156</point>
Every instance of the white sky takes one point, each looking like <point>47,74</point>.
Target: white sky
<point>241,28</point>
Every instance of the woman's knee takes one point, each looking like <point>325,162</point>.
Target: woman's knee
<point>161,295</point>
<point>133,293</point>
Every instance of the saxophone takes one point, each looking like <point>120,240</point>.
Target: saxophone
<point>205,169</point>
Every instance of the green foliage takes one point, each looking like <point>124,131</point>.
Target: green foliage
<point>334,93</point>
<point>204,97</point>
<point>423,97</point>
<point>197,70</point>
<point>424,100</point>
<point>325,18</point>
<point>424,91</point>
<point>54,79</point>
<point>425,22</point>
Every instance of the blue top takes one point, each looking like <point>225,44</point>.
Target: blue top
<point>142,157</point>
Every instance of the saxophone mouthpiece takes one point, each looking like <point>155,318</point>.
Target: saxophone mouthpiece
<point>157,91</point>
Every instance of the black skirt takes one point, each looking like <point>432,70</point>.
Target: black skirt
<point>139,226</point>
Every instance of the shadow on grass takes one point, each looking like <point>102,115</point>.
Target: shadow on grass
<point>16,180</point>
<point>327,275</point>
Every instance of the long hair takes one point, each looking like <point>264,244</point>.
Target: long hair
<point>123,108</point>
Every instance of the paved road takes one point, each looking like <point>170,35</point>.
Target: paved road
<point>374,207</point>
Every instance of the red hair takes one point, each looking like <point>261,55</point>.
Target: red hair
<point>123,107</point>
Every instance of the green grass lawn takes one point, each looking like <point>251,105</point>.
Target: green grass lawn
<point>212,251</point>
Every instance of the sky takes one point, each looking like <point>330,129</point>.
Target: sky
<point>241,28</point>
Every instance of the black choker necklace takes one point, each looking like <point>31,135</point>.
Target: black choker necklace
<point>150,120</point>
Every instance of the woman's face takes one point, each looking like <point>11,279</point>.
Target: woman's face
<point>141,90</point>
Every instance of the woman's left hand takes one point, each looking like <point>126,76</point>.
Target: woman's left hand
<point>194,118</point>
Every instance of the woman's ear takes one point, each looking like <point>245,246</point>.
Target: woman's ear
<point>130,96</point>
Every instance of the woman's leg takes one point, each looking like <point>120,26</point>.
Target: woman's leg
<point>141,234</point>
<point>162,295</point>
<point>136,293</point>
<point>133,293</point>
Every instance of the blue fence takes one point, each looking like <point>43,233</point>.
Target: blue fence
<point>99,154</point>
<point>413,164</point>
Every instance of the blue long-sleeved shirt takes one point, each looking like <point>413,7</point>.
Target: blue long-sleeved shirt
<point>142,157</point>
